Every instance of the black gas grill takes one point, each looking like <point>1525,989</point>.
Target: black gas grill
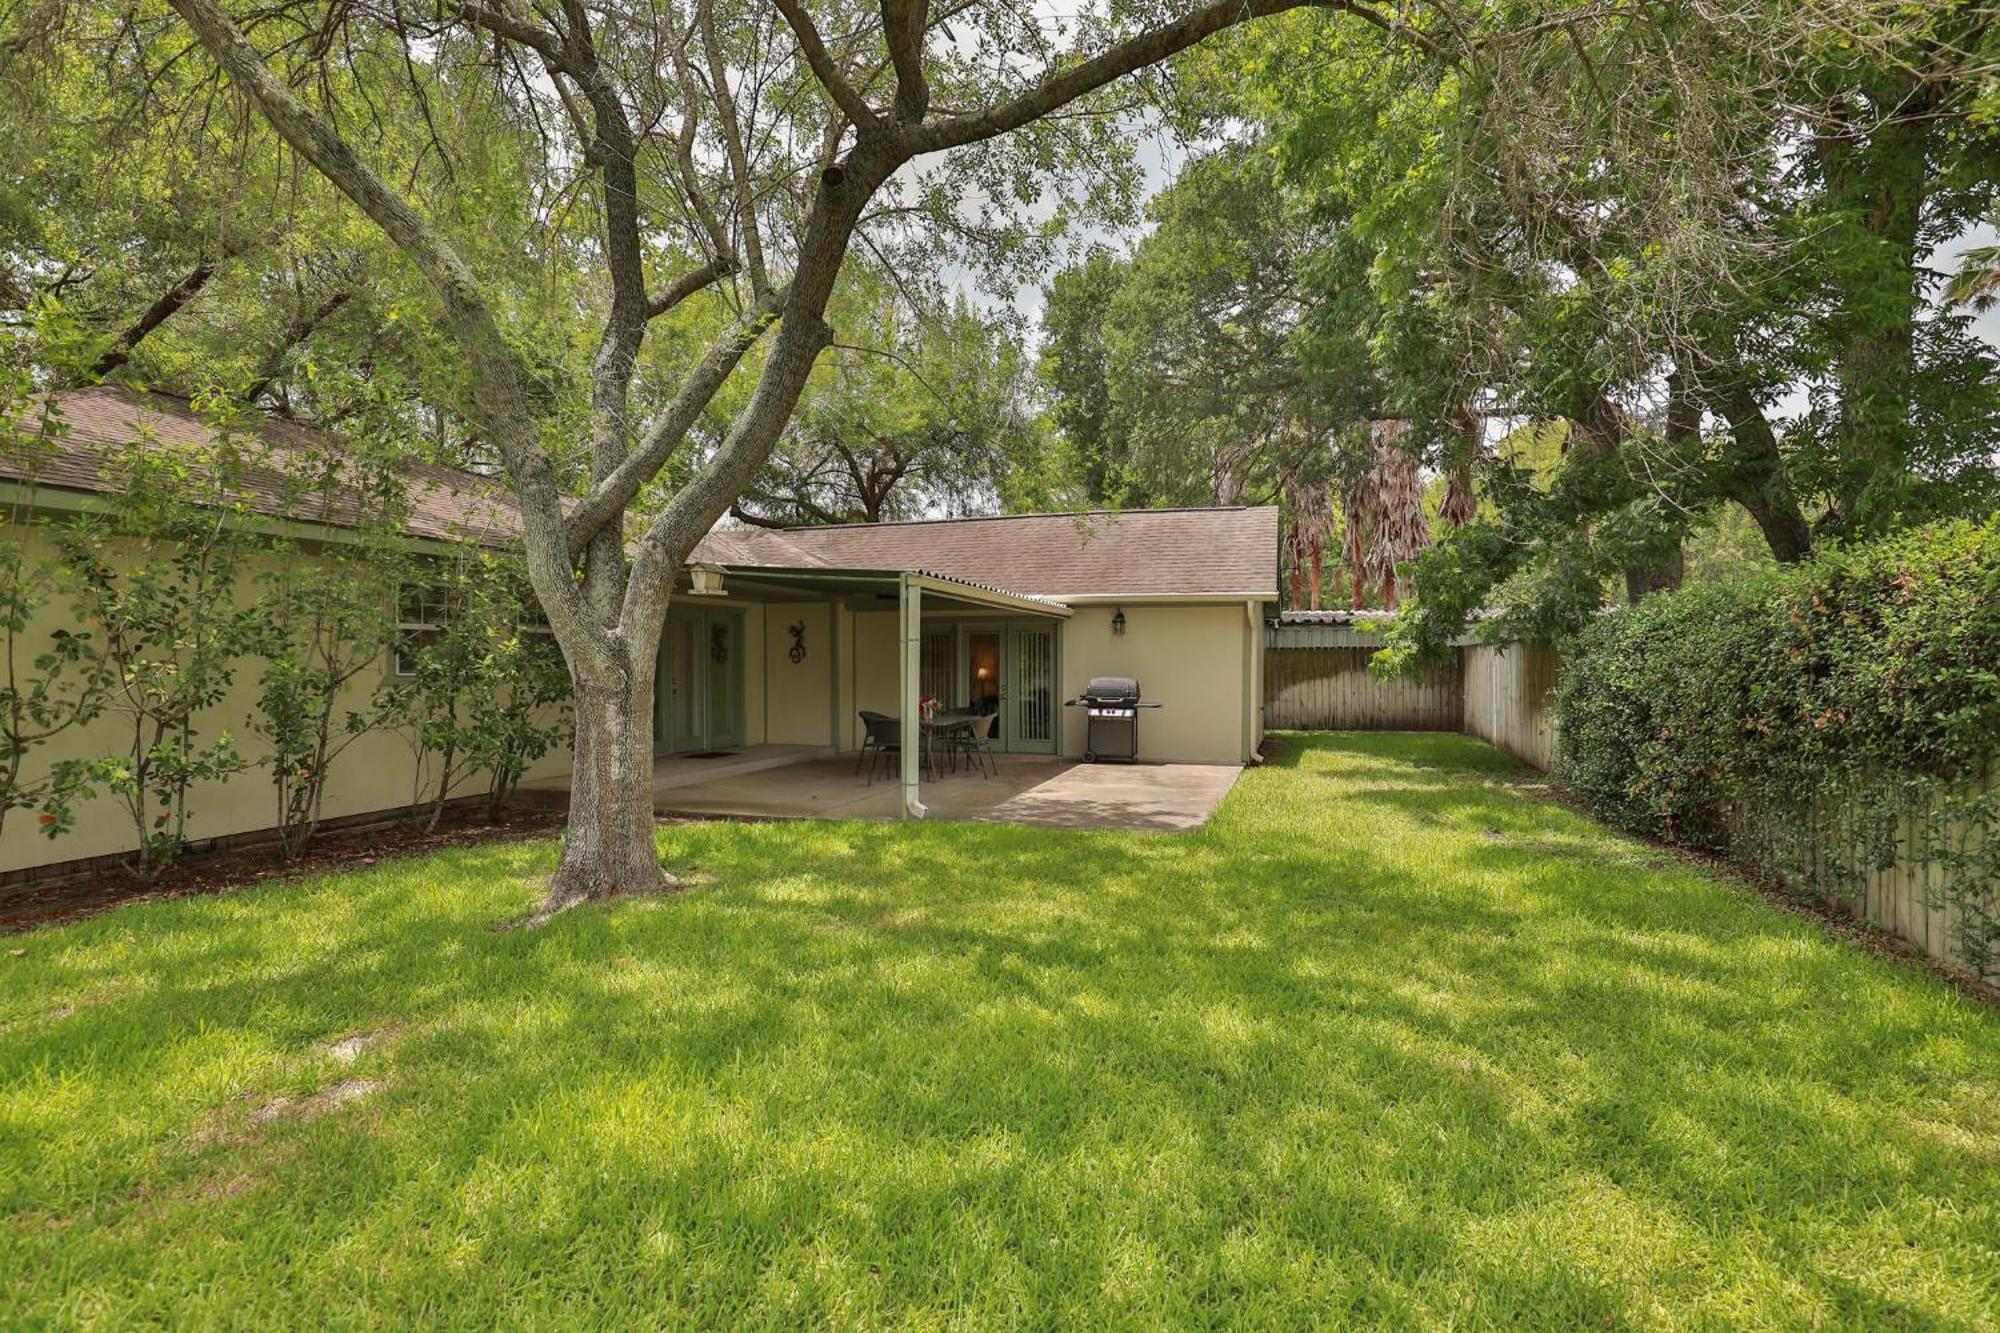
<point>1111,706</point>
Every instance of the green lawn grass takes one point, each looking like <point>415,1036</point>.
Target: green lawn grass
<point>1394,1039</point>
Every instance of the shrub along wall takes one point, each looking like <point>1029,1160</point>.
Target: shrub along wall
<point>1835,725</point>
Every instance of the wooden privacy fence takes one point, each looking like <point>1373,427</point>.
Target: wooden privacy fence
<point>1902,888</point>
<point>1510,698</point>
<point>1330,689</point>
<point>1316,678</point>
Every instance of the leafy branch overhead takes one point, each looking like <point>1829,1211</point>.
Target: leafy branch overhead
<point>1652,286</point>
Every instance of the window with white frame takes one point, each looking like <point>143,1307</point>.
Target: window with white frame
<point>425,610</point>
<point>422,611</point>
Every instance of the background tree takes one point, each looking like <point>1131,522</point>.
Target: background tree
<point>1176,372</point>
<point>923,410</point>
<point>1672,234</point>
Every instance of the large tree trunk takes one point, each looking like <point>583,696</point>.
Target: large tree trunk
<point>1756,479</point>
<point>1601,432</point>
<point>1643,580</point>
<point>608,846</point>
<point>1884,179</point>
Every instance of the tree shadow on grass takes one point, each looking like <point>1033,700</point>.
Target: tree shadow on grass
<point>979,1072</point>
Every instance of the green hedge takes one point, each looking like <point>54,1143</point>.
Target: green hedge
<point>1862,686</point>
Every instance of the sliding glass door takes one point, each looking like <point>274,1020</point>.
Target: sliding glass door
<point>996,668</point>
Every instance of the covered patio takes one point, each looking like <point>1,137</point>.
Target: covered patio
<point>1024,789</point>
<point>914,594</point>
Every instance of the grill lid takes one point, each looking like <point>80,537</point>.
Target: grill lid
<point>1112,689</point>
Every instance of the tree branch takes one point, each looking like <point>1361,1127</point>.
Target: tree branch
<point>540,40</point>
<point>155,315</point>
<point>499,404</point>
<point>296,332</point>
<point>611,492</point>
<point>1060,87</point>
<point>823,68</point>
<point>684,161</point>
<point>732,142</point>
<point>903,23</point>
<point>681,288</point>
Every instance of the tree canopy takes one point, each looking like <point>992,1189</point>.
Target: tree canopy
<point>1699,243</point>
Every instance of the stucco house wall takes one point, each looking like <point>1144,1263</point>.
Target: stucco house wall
<point>1181,577</point>
<point>797,696</point>
<point>1191,660</point>
<point>1196,661</point>
<point>376,772</point>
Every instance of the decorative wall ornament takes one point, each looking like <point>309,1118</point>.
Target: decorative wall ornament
<point>718,642</point>
<point>798,653</point>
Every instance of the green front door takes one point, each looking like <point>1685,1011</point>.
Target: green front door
<point>700,686</point>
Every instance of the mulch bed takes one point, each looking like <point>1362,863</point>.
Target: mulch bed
<point>216,872</point>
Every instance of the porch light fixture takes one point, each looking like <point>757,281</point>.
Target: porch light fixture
<point>707,580</point>
<point>1118,621</point>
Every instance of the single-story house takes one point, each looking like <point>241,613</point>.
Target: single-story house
<point>782,638</point>
<point>1010,616</point>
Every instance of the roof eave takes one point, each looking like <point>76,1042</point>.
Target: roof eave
<point>1165,598</point>
<point>978,594</point>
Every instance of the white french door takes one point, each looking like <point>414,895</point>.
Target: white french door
<point>1028,700</point>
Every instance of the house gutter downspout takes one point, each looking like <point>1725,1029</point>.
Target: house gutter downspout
<point>910,602</point>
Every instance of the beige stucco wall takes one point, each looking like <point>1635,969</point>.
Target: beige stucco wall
<point>756,641</point>
<point>375,772</point>
<point>1195,661</point>
<point>797,696</point>
<point>873,656</point>
<point>1254,620</point>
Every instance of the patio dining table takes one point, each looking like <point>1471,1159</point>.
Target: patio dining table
<point>944,724</point>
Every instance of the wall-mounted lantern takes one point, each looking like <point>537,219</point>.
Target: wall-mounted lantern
<point>1118,621</point>
<point>706,580</point>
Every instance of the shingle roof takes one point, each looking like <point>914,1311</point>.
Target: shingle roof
<point>1222,552</point>
<point>1219,552</point>
<point>445,504</point>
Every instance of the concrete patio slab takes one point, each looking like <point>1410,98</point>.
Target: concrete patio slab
<point>1026,790</point>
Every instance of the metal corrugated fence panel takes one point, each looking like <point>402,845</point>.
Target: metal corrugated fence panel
<point>1318,636</point>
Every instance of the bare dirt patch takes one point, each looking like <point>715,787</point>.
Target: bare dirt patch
<point>348,1049</point>
<point>329,1098</point>
<point>227,1126</point>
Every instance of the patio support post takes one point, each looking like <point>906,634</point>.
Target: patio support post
<point>910,602</point>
